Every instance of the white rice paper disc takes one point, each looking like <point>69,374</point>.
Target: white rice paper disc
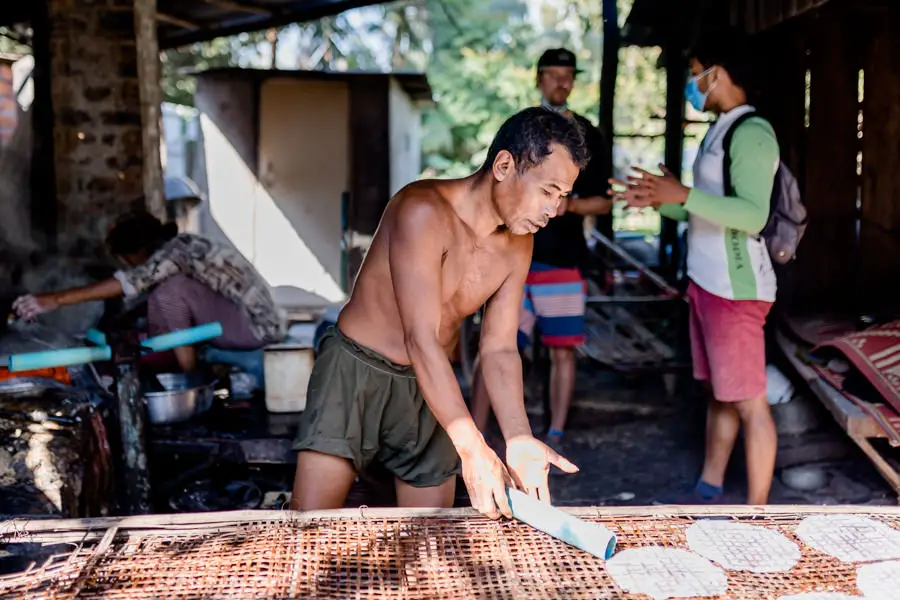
<point>879,581</point>
<point>743,547</point>
<point>821,596</point>
<point>850,538</point>
<point>666,573</point>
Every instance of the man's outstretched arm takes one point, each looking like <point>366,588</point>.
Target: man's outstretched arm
<point>415,250</point>
<point>501,365</point>
<point>528,459</point>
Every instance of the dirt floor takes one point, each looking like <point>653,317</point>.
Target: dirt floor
<point>635,445</point>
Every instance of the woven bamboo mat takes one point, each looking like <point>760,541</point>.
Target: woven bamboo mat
<point>380,554</point>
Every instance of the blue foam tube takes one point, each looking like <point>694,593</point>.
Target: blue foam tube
<point>185,337</point>
<point>98,338</point>
<point>58,358</point>
<point>591,537</point>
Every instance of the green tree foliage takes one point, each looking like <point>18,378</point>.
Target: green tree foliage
<point>480,59</point>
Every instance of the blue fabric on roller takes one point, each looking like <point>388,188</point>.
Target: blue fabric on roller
<point>593,538</point>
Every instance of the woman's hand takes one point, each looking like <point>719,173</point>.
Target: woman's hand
<point>649,189</point>
<point>30,306</point>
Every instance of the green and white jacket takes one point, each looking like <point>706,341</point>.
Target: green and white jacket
<point>726,257</point>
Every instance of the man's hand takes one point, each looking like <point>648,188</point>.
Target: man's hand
<point>529,463</point>
<point>30,306</point>
<point>486,480</point>
<point>651,190</point>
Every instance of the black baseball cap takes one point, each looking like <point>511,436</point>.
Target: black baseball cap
<point>557,57</point>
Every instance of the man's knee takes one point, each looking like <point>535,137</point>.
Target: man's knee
<point>562,355</point>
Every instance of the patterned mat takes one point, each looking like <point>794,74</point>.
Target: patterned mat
<point>875,352</point>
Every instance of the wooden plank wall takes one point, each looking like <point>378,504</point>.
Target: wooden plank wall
<point>826,261</point>
<point>880,222</point>
<point>850,258</point>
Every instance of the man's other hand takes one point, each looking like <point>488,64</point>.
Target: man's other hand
<point>529,463</point>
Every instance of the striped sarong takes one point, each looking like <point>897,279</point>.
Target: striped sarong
<point>554,299</point>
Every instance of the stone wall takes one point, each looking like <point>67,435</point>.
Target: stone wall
<point>95,93</point>
<point>86,155</point>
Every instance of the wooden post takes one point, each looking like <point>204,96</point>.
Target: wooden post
<point>608,74</point>
<point>826,263</point>
<point>782,94</point>
<point>151,102</point>
<point>880,226</point>
<point>132,425</point>
<point>676,71</point>
<point>782,91</point>
<point>44,200</point>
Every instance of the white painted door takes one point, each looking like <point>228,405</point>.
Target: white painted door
<point>303,162</point>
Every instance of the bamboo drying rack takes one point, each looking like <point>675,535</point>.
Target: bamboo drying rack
<point>380,553</point>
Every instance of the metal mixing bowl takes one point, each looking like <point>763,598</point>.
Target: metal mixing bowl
<point>183,396</point>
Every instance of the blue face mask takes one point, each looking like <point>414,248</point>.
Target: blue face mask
<point>693,94</point>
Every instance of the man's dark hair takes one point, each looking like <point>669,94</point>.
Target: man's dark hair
<point>728,48</point>
<point>528,135</point>
<point>139,230</point>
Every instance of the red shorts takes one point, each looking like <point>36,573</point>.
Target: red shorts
<point>728,345</point>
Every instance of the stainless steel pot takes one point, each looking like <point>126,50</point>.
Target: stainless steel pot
<point>183,396</point>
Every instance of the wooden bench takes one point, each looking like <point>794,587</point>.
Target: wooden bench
<point>859,426</point>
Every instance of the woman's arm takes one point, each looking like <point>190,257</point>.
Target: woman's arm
<point>674,211</point>
<point>30,306</point>
<point>755,155</point>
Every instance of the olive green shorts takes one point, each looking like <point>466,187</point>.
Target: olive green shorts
<point>362,407</point>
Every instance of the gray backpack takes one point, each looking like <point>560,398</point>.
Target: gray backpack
<point>787,214</point>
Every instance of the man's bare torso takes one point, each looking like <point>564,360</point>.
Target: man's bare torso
<point>471,273</point>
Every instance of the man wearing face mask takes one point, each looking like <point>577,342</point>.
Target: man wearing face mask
<point>732,282</point>
<point>555,290</point>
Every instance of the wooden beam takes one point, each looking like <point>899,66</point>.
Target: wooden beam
<point>240,7</point>
<point>22,529</point>
<point>176,21</point>
<point>151,100</point>
<point>851,418</point>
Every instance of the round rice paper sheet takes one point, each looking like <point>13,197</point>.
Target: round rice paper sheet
<point>743,547</point>
<point>666,573</point>
<point>850,538</point>
<point>879,581</point>
<point>821,596</point>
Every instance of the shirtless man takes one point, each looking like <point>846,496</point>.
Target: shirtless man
<point>383,390</point>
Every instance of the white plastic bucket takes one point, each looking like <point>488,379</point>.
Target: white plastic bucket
<point>287,369</point>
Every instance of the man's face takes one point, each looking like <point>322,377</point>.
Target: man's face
<point>527,201</point>
<point>555,84</point>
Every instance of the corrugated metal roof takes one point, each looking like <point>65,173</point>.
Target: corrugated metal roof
<point>187,21</point>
